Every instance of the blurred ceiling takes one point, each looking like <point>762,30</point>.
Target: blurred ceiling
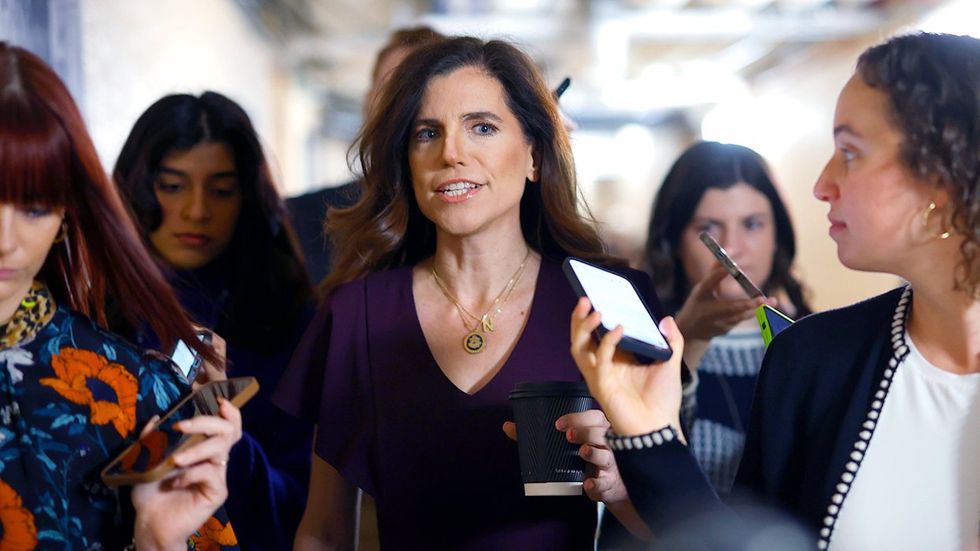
<point>630,60</point>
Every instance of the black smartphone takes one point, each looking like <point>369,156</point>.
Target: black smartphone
<point>187,360</point>
<point>620,304</point>
<point>147,459</point>
<point>751,289</point>
<point>562,87</point>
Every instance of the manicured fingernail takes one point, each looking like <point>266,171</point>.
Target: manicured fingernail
<point>561,424</point>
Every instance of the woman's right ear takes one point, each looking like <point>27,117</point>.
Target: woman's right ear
<point>532,168</point>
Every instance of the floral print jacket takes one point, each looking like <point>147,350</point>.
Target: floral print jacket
<point>72,397</point>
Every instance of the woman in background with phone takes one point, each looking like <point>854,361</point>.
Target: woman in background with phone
<point>73,395</point>
<point>194,174</point>
<point>725,190</point>
<point>871,413</point>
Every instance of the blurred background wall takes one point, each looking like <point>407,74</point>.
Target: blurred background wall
<point>648,78</point>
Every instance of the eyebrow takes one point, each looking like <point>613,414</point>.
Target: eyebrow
<point>843,128</point>
<point>482,115</point>
<point>215,176</point>
<point>713,219</point>
<point>466,117</point>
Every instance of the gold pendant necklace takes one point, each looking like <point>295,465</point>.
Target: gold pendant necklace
<point>475,340</point>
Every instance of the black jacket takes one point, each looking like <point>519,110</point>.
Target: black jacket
<point>308,213</point>
<point>821,387</point>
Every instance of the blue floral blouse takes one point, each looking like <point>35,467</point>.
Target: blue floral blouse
<point>72,397</point>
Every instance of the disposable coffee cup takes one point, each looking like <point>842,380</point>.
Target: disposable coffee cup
<point>550,464</point>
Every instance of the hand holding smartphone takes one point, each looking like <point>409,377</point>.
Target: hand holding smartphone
<point>148,459</point>
<point>743,280</point>
<point>620,304</point>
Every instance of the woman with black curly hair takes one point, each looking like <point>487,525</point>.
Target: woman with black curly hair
<point>870,414</point>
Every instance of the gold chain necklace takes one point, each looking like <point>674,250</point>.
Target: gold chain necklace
<point>475,340</point>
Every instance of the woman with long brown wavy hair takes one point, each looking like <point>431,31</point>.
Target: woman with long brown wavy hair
<point>73,395</point>
<point>446,290</point>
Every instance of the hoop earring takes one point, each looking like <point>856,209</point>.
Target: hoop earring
<point>63,233</point>
<point>925,219</point>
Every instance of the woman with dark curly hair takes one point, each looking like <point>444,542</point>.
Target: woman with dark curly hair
<point>870,414</point>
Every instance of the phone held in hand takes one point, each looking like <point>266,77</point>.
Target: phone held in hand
<point>187,360</point>
<point>620,304</point>
<point>722,255</point>
<point>148,459</point>
<point>771,322</point>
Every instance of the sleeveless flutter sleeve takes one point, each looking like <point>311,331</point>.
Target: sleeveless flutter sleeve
<point>328,382</point>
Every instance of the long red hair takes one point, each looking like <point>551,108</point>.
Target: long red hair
<point>47,158</point>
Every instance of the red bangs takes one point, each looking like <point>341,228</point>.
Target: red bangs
<point>35,155</point>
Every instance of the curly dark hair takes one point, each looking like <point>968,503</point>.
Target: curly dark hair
<point>933,86</point>
<point>704,166</point>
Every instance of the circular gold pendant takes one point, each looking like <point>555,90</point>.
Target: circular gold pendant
<point>474,342</point>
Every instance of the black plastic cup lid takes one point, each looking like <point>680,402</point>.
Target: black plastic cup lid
<point>538,389</point>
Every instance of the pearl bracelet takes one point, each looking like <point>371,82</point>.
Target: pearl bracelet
<point>656,438</point>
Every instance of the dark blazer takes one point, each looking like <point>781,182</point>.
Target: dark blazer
<point>821,387</point>
<point>308,213</point>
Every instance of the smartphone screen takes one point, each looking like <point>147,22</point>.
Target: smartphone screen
<point>751,289</point>
<point>771,322</point>
<point>187,360</point>
<point>145,460</point>
<point>615,297</point>
<point>184,357</point>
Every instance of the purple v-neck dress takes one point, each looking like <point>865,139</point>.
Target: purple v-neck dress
<point>442,472</point>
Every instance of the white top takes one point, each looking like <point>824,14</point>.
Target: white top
<point>919,484</point>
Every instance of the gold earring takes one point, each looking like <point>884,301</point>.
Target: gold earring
<point>927,214</point>
<point>63,233</point>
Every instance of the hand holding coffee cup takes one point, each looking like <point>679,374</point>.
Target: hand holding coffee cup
<point>550,464</point>
<point>588,430</point>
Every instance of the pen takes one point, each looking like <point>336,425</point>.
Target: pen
<point>562,87</point>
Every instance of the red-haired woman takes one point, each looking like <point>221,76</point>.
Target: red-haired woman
<point>73,395</point>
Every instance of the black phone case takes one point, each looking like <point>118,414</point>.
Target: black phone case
<point>644,352</point>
